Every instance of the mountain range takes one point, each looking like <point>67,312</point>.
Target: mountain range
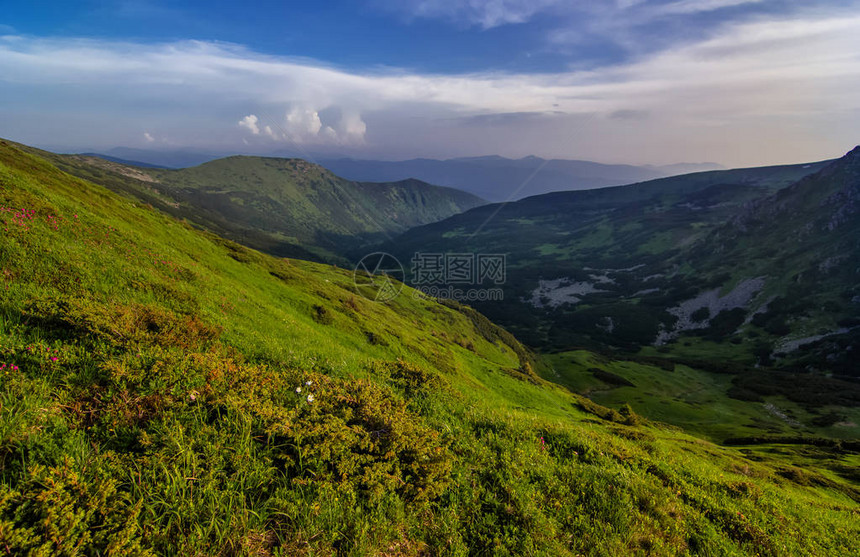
<point>171,158</point>
<point>286,207</point>
<point>635,237</point>
<point>168,391</point>
<point>491,177</point>
<point>749,273</point>
<point>501,179</point>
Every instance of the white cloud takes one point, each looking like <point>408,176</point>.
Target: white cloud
<point>303,123</point>
<point>484,13</point>
<point>763,91</point>
<point>148,137</point>
<point>495,13</point>
<point>249,122</point>
<point>697,6</point>
<point>352,128</point>
<point>270,132</point>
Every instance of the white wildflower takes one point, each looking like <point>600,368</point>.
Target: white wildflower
<point>310,398</point>
<point>308,383</point>
<point>298,389</point>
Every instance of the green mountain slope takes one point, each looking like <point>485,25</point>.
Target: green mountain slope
<point>748,272</point>
<point>287,207</point>
<point>805,243</point>
<point>168,392</point>
<point>611,242</point>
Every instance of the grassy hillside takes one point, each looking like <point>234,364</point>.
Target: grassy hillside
<point>615,243</point>
<point>698,401</point>
<point>168,392</point>
<point>747,273</point>
<point>806,240</point>
<point>286,207</point>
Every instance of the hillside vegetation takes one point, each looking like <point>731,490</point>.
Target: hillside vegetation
<point>622,246</point>
<point>749,273</point>
<point>286,207</point>
<point>164,391</point>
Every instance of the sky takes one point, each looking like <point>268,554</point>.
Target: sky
<point>736,82</point>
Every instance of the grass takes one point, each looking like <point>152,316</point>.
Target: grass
<point>286,207</point>
<point>156,400</point>
<point>664,242</point>
<point>697,401</point>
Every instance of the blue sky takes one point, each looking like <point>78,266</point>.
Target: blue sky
<point>640,81</point>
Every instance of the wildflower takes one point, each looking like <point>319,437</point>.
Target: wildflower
<point>310,398</point>
<point>298,389</point>
<point>308,383</point>
<point>54,358</point>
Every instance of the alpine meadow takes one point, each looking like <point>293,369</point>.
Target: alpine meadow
<point>430,278</point>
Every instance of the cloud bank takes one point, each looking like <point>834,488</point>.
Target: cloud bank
<point>483,13</point>
<point>488,14</point>
<point>762,91</point>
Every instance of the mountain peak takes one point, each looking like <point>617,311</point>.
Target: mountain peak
<point>849,163</point>
<point>853,155</point>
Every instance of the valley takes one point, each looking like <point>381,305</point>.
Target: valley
<point>430,278</point>
<point>180,393</point>
<point>724,271</point>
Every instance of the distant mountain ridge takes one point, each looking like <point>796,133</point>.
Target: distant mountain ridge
<point>498,178</point>
<point>126,162</point>
<point>492,177</point>
<point>179,158</point>
<point>686,168</point>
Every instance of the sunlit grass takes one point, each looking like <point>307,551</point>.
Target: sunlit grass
<point>178,394</point>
